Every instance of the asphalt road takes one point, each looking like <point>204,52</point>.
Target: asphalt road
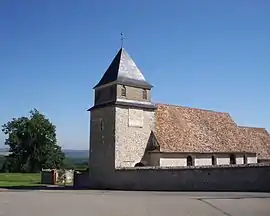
<point>124,203</point>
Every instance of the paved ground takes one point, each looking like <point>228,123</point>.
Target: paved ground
<point>120,203</point>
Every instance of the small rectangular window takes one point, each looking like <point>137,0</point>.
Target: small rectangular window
<point>189,161</point>
<point>144,94</point>
<point>232,159</point>
<point>123,91</point>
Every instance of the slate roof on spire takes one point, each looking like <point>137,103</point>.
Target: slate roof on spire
<point>123,70</point>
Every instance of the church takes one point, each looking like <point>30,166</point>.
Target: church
<point>129,130</point>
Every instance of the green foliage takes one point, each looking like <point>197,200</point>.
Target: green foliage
<point>32,143</point>
<point>75,163</point>
<point>2,162</point>
<point>19,179</point>
<point>68,163</point>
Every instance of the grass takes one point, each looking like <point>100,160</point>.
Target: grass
<point>19,179</point>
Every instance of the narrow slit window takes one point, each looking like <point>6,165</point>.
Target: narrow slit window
<point>232,159</point>
<point>101,125</point>
<point>245,159</point>
<point>144,94</point>
<point>123,91</point>
<point>189,161</point>
<point>214,160</point>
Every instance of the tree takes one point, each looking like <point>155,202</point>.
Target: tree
<point>32,144</point>
<point>2,162</point>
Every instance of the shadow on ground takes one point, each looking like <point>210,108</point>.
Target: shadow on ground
<point>70,187</point>
<point>37,187</point>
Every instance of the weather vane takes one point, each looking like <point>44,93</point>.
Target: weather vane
<point>122,39</point>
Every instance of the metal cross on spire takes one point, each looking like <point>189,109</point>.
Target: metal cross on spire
<point>122,37</point>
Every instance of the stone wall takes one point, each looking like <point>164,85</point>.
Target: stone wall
<point>199,159</point>
<point>133,93</point>
<point>66,178</point>
<point>105,94</point>
<point>203,161</point>
<point>101,149</point>
<point>164,162</point>
<point>132,134</point>
<point>251,159</point>
<point>54,176</point>
<point>223,160</point>
<point>218,178</point>
<point>81,179</point>
<point>240,160</point>
<point>48,176</point>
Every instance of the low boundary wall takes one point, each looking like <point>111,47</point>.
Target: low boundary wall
<point>255,177</point>
<point>48,176</point>
<point>54,176</point>
<point>81,179</point>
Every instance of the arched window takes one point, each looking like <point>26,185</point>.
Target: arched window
<point>140,164</point>
<point>144,94</point>
<point>123,91</point>
<point>232,159</point>
<point>189,161</point>
<point>214,162</point>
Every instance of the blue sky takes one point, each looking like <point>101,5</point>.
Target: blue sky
<point>205,54</point>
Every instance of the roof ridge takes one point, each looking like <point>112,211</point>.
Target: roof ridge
<point>242,126</point>
<point>257,129</point>
<point>180,106</point>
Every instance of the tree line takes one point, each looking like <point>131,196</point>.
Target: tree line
<point>33,145</point>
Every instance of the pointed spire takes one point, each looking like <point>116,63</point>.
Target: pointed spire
<point>123,70</point>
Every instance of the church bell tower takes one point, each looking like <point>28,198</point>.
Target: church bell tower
<point>122,117</point>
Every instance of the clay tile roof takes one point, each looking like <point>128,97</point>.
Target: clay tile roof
<point>183,129</point>
<point>258,137</point>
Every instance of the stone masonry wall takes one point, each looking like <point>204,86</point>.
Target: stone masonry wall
<point>81,179</point>
<point>133,93</point>
<point>56,176</point>
<point>101,156</point>
<point>164,162</point>
<point>254,177</point>
<point>199,159</point>
<point>131,141</point>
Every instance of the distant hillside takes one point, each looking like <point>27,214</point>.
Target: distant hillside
<point>69,153</point>
<point>3,151</point>
<point>76,153</point>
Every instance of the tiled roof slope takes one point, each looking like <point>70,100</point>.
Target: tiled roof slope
<point>261,138</point>
<point>183,129</point>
